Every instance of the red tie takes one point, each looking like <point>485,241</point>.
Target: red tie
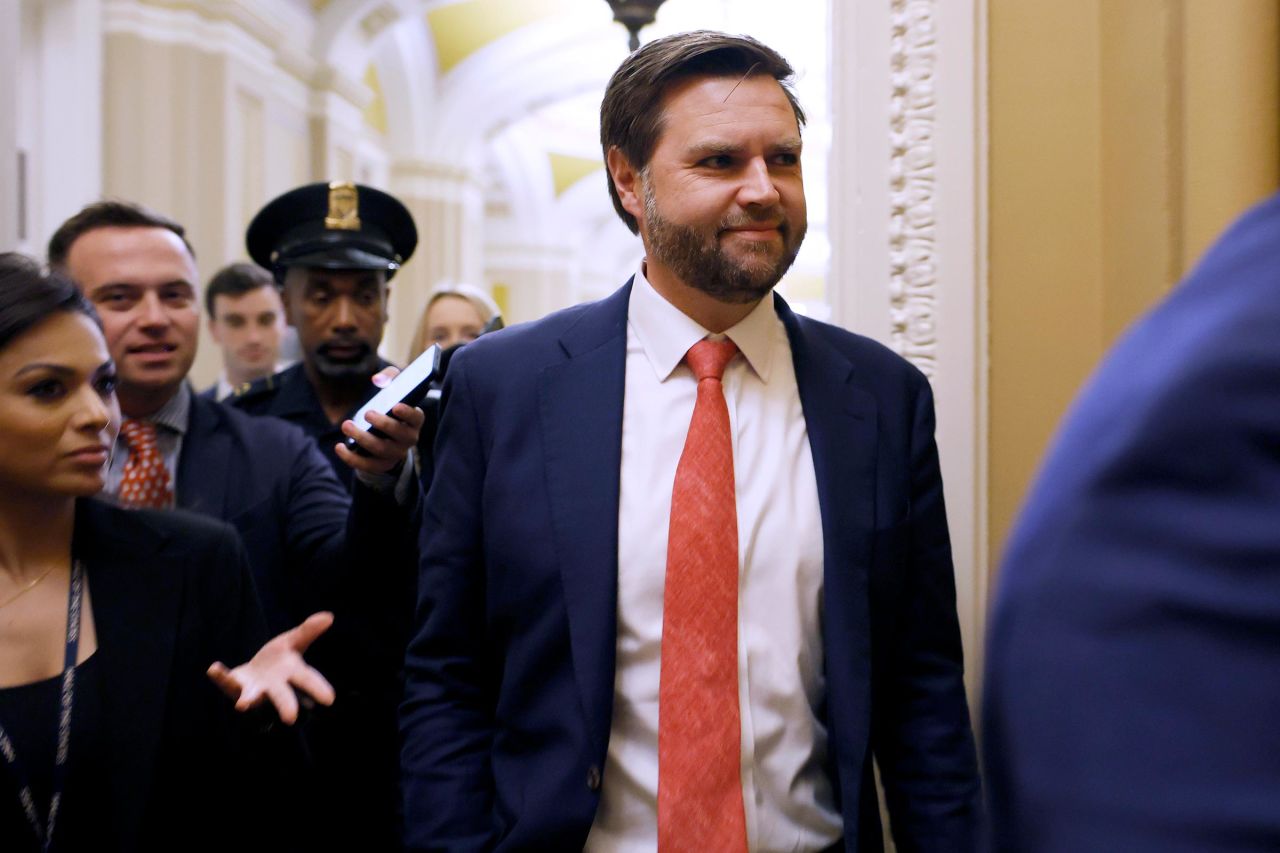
<point>699,730</point>
<point>145,484</point>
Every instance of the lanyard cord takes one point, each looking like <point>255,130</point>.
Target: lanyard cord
<point>65,701</point>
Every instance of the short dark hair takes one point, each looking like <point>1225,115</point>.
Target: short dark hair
<point>236,280</point>
<point>110,213</point>
<point>631,117</point>
<point>28,297</point>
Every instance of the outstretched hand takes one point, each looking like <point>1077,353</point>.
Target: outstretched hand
<point>276,669</point>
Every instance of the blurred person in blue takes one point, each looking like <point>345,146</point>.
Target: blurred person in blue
<point>1131,691</point>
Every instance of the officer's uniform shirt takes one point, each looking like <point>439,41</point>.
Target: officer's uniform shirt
<point>222,390</point>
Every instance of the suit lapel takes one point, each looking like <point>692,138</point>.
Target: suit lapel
<point>840,418</point>
<point>580,408</point>
<point>135,597</point>
<point>202,467</point>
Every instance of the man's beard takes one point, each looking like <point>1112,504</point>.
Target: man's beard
<point>697,258</point>
<point>361,366</point>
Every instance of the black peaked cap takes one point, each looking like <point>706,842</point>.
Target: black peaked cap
<point>337,225</point>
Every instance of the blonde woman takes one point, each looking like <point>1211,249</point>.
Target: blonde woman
<point>454,314</point>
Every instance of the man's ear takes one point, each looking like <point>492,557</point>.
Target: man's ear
<point>213,329</point>
<point>628,183</point>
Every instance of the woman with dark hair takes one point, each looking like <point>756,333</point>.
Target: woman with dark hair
<point>114,734</point>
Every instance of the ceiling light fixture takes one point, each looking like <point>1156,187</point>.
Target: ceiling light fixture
<point>634,14</point>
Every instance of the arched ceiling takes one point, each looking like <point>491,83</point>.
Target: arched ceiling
<point>509,90</point>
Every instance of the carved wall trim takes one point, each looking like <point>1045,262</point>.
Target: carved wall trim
<point>913,275</point>
<point>908,234</point>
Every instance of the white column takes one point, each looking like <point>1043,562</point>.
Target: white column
<point>10,199</point>
<point>447,204</point>
<point>68,163</point>
<point>908,235</point>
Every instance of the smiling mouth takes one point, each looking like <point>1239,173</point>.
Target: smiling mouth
<point>153,349</point>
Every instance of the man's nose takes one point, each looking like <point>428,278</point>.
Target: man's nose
<point>153,310</point>
<point>344,314</point>
<point>758,187</point>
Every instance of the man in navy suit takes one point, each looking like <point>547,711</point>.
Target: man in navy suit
<point>1132,688</point>
<point>310,544</point>
<point>548,684</point>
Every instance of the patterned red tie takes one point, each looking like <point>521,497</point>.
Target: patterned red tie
<point>699,730</point>
<point>145,484</point>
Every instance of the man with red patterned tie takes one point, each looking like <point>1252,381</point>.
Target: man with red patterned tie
<point>312,545</point>
<point>686,568</point>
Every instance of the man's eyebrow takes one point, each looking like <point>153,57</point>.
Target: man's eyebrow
<point>711,148</point>
<point>126,285</point>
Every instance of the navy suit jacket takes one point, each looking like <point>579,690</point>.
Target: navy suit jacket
<point>511,675</point>
<point>267,480</point>
<point>1133,687</point>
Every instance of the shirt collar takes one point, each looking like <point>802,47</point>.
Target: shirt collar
<point>665,333</point>
<point>175,415</point>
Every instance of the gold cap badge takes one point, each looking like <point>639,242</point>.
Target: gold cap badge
<point>344,207</point>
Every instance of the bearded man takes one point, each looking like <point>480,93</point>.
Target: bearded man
<point>685,562</point>
<point>333,248</point>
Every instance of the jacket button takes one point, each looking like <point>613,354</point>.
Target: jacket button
<point>593,777</point>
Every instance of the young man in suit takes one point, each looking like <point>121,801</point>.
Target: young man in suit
<point>311,545</point>
<point>686,568</point>
<point>1131,688</point>
<point>246,321</point>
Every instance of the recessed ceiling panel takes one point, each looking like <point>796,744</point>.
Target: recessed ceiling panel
<point>460,29</point>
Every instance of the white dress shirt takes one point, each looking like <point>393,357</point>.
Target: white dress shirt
<point>786,793</point>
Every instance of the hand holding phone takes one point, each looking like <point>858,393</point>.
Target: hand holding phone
<point>409,387</point>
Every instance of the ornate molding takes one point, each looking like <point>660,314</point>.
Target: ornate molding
<point>913,182</point>
<point>442,182</point>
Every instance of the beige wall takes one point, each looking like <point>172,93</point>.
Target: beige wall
<point>1123,137</point>
<point>207,130</point>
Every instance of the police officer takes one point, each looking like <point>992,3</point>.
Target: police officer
<point>334,247</point>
